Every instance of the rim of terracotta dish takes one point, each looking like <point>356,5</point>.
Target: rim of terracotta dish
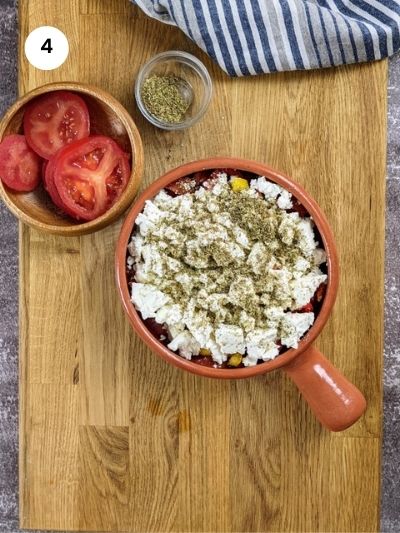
<point>262,170</point>
<point>136,148</point>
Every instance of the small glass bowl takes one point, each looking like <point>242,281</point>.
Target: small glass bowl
<point>196,86</point>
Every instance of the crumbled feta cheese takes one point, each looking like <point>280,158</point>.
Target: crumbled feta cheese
<point>227,252</point>
<point>175,329</point>
<point>303,288</point>
<point>143,274</point>
<point>260,344</point>
<point>319,256</point>
<point>293,327</point>
<point>207,267</point>
<point>285,200</point>
<point>241,237</point>
<point>267,188</point>
<point>152,259</point>
<point>172,264</point>
<point>216,301</point>
<point>185,281</point>
<point>257,257</point>
<point>162,199</point>
<point>217,355</point>
<point>224,219</point>
<point>282,278</point>
<point>148,299</point>
<point>185,344</point>
<point>241,290</point>
<point>302,264</point>
<point>247,321</point>
<point>212,206</point>
<point>230,339</point>
<point>144,224</point>
<point>135,247</point>
<point>152,212</point>
<point>202,334</point>
<point>306,236</point>
<point>287,230</point>
<point>200,194</point>
<point>274,315</point>
<point>219,185</point>
<point>170,314</point>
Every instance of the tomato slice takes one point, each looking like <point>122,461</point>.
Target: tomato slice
<point>187,184</point>
<point>90,175</point>
<point>19,165</point>
<point>308,308</point>
<point>48,181</point>
<point>229,171</point>
<point>55,120</point>
<point>159,331</point>
<point>208,361</point>
<point>44,166</point>
<point>320,293</point>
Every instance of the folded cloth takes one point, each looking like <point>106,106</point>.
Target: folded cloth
<point>255,36</point>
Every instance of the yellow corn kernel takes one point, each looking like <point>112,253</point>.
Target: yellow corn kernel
<point>204,352</point>
<point>235,359</point>
<point>238,184</point>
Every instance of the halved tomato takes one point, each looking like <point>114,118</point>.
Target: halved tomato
<point>19,164</point>
<point>90,175</point>
<point>55,120</point>
<point>48,181</point>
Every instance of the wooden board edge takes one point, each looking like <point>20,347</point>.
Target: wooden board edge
<point>23,269</point>
<point>382,319</point>
<point>23,264</point>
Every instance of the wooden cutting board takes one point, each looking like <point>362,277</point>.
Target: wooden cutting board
<point>114,439</point>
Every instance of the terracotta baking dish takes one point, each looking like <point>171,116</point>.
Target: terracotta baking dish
<point>336,402</point>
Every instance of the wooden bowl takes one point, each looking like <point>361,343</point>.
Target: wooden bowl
<point>108,117</point>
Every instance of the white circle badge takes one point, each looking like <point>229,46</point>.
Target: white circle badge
<point>46,48</point>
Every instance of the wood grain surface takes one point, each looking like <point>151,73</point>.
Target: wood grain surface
<point>114,439</point>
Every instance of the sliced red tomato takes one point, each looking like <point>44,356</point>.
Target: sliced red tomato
<point>48,181</point>
<point>201,176</point>
<point>158,330</point>
<point>188,184</point>
<point>229,171</point>
<point>55,120</point>
<point>210,183</point>
<point>90,175</point>
<point>308,308</point>
<point>19,165</point>
<point>320,293</point>
<point>208,361</point>
<point>207,178</point>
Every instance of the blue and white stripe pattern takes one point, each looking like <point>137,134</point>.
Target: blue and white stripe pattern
<point>255,36</point>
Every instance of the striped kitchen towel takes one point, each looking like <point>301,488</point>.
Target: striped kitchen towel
<point>255,36</point>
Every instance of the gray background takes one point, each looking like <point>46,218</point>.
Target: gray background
<point>390,520</point>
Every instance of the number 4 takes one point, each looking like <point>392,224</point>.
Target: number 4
<point>46,46</point>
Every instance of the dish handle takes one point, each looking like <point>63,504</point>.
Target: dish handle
<point>335,401</point>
